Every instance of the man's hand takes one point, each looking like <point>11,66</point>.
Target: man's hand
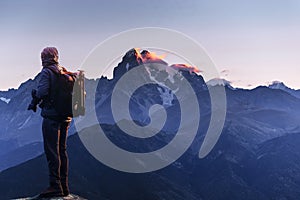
<point>32,107</point>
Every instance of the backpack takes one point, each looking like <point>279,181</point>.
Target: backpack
<point>79,95</point>
<point>68,94</point>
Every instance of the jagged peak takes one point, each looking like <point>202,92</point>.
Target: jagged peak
<point>277,85</point>
<point>136,56</point>
<point>219,82</point>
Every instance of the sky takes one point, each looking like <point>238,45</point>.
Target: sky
<point>251,42</point>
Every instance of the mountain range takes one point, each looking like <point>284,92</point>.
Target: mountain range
<point>256,157</point>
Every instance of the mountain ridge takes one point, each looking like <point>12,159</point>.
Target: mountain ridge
<point>258,121</point>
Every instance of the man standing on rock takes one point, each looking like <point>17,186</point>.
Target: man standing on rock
<point>55,124</point>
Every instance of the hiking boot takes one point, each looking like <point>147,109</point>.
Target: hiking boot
<point>51,192</point>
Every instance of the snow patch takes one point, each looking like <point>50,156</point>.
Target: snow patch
<point>219,82</point>
<point>5,99</point>
<point>127,66</point>
<point>260,156</point>
<point>166,95</point>
<point>24,124</point>
<point>277,85</point>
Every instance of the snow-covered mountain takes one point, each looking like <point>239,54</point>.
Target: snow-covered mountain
<point>255,157</point>
<point>281,86</point>
<point>219,82</point>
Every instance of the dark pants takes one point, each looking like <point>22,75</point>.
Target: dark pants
<point>55,145</point>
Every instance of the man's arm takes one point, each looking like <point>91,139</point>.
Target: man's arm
<point>44,84</point>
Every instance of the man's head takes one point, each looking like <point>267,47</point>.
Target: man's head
<point>49,56</point>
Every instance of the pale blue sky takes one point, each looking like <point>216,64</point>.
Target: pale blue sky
<point>251,42</point>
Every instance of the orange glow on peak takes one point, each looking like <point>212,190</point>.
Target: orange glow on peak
<point>151,57</point>
<point>186,67</point>
<point>147,56</point>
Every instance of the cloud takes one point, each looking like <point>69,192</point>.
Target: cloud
<point>186,68</point>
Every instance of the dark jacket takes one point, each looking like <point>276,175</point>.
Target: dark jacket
<point>44,89</point>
